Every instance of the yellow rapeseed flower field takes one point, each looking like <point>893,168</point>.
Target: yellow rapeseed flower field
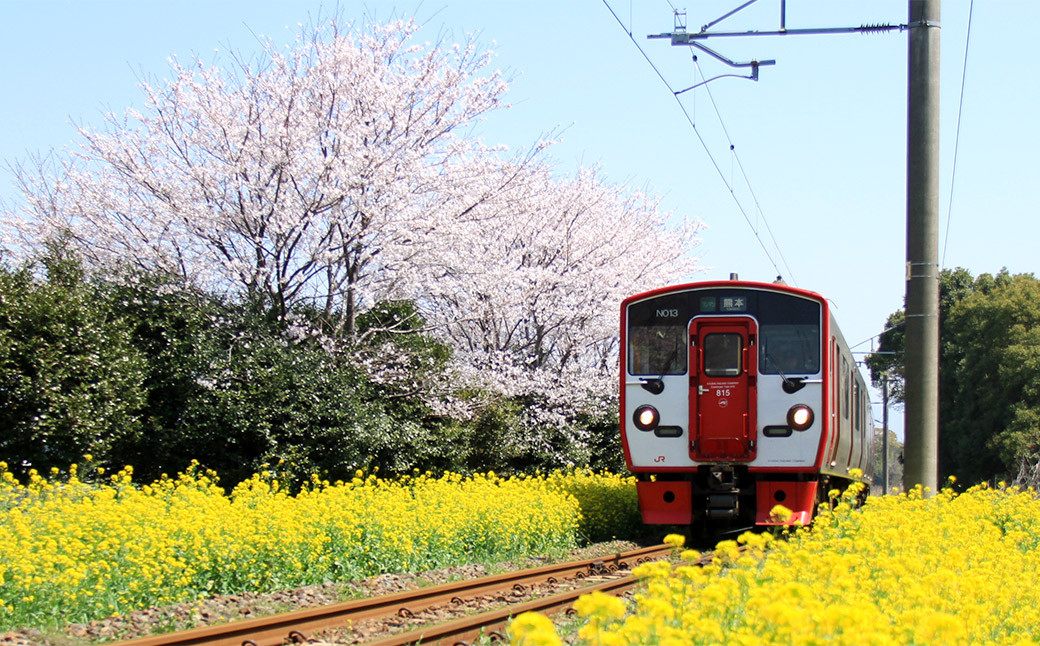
<point>73,550</point>
<point>609,503</point>
<point>949,569</point>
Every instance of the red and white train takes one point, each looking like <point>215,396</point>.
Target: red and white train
<point>736,397</point>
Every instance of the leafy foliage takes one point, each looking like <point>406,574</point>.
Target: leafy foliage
<point>312,260</point>
<point>997,376</point>
<point>895,461</point>
<point>71,382</point>
<point>228,385</point>
<point>143,372</point>
<point>989,372</point>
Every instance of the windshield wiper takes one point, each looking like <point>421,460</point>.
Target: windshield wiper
<point>791,384</point>
<point>656,386</point>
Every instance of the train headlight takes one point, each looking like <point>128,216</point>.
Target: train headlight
<point>800,417</point>
<point>646,418</point>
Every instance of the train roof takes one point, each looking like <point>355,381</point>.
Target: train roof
<point>731,284</point>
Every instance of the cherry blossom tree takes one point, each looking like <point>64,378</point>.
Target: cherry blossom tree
<point>530,299</point>
<point>341,173</point>
<point>302,178</point>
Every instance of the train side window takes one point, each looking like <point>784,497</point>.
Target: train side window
<point>835,376</point>
<point>857,415</point>
<point>845,403</point>
<point>657,350</point>
<point>722,354</point>
<point>868,416</point>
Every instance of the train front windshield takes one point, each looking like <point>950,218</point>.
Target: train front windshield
<point>789,349</point>
<point>789,329</point>
<point>657,350</point>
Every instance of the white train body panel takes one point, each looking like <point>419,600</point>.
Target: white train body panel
<point>798,450</point>
<point>795,451</point>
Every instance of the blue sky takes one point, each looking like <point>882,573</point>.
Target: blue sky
<point>821,136</point>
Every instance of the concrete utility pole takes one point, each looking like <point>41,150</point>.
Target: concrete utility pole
<point>922,248</point>
<point>922,212</point>
<point>884,431</point>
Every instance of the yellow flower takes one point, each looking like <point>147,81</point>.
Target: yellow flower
<point>533,629</point>
<point>675,540</point>
<point>600,605</point>
<point>780,514</point>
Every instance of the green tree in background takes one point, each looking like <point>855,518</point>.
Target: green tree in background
<point>71,382</point>
<point>895,460</point>
<point>954,285</point>
<point>139,370</point>
<point>225,386</point>
<point>229,385</point>
<point>996,400</point>
<point>989,372</point>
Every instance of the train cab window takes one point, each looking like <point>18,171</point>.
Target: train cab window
<point>722,354</point>
<point>789,349</point>
<point>657,350</point>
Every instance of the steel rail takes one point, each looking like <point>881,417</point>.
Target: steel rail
<point>292,626</point>
<point>492,623</point>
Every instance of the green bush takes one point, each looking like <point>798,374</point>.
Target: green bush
<point>71,382</point>
<point>141,370</point>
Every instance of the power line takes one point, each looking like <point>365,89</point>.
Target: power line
<point>957,137</point>
<point>878,335</point>
<point>704,145</point>
<point>743,173</point>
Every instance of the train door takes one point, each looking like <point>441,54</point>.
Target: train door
<point>723,382</point>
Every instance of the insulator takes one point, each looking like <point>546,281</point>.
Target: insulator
<point>876,29</point>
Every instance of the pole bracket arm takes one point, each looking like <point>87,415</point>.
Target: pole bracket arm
<point>925,23</point>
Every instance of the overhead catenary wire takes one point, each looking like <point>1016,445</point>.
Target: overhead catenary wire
<point>953,176</point>
<point>743,173</point>
<point>879,334</point>
<point>707,150</point>
<point>957,137</point>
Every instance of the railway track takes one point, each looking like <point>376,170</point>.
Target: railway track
<point>607,574</point>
